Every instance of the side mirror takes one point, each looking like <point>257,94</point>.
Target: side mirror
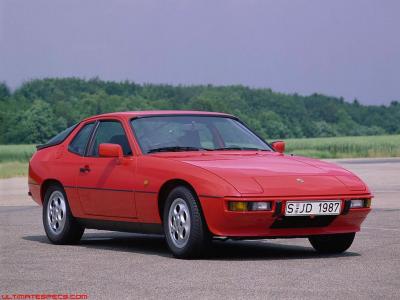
<point>279,146</point>
<point>110,150</point>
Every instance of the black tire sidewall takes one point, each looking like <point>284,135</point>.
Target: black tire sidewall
<point>333,243</point>
<point>71,230</point>
<point>198,237</point>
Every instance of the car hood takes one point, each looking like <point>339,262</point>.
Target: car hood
<point>274,174</point>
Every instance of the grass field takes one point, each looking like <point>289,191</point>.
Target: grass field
<point>346,147</point>
<point>20,153</point>
<point>14,158</point>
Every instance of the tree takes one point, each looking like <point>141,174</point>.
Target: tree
<point>324,129</point>
<point>35,125</point>
<point>39,108</point>
<point>273,126</point>
<point>4,91</point>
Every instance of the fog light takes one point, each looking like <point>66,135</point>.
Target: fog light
<point>259,205</point>
<point>357,203</point>
<point>237,206</point>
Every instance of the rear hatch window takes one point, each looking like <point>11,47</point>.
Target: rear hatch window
<point>58,139</point>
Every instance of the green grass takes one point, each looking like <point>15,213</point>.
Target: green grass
<point>346,147</point>
<point>14,158</point>
<point>20,153</point>
<point>13,169</point>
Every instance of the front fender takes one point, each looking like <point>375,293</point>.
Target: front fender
<point>153,172</point>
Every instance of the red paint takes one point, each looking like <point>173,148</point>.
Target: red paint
<point>278,146</point>
<point>110,150</point>
<point>114,187</point>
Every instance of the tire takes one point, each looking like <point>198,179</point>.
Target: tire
<point>185,230</point>
<point>332,243</point>
<point>59,224</point>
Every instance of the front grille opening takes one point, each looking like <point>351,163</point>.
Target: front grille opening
<point>302,222</point>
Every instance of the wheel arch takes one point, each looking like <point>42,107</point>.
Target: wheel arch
<point>167,187</point>
<point>46,184</point>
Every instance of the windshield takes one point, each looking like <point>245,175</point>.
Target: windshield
<point>194,133</point>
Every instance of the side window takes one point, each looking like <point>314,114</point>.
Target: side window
<point>79,142</point>
<point>110,132</point>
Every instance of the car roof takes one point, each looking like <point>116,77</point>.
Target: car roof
<point>134,114</point>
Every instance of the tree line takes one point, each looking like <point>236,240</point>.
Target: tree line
<point>39,109</point>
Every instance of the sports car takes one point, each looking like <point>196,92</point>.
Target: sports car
<point>193,177</point>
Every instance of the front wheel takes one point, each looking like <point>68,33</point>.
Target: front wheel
<point>59,224</point>
<point>185,231</point>
<point>332,243</point>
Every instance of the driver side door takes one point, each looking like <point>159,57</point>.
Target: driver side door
<point>105,184</point>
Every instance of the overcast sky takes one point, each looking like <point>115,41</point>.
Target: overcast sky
<point>340,47</point>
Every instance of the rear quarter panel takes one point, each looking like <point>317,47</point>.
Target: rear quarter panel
<point>58,164</point>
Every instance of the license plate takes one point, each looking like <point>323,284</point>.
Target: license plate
<point>312,208</point>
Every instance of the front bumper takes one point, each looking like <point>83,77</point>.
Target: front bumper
<point>257,224</point>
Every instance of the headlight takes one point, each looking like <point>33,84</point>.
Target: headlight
<point>249,206</point>
<point>360,203</point>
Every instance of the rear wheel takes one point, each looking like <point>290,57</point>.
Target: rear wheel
<point>332,243</point>
<point>59,224</point>
<point>185,231</point>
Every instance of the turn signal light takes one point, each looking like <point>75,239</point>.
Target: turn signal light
<point>238,206</point>
<point>249,206</point>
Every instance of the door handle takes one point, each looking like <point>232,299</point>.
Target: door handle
<point>84,169</point>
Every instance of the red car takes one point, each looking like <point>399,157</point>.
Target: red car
<point>192,176</point>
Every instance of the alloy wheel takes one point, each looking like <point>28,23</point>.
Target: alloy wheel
<point>56,212</point>
<point>179,222</point>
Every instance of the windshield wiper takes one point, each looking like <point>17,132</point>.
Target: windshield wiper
<point>239,148</point>
<point>174,149</point>
<point>185,148</point>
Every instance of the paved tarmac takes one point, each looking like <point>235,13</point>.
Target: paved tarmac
<point>109,265</point>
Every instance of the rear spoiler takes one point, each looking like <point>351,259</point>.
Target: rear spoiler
<point>42,146</point>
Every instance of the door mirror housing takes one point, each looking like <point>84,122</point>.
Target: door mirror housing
<point>279,146</point>
<point>110,150</point>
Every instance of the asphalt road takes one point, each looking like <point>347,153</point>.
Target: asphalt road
<point>110,265</point>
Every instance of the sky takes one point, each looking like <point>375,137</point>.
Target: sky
<point>344,48</point>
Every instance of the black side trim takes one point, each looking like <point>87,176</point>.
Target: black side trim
<point>122,226</point>
<point>103,189</point>
<point>346,207</point>
<point>278,209</point>
<point>112,190</point>
<point>302,222</point>
<point>145,192</point>
<point>209,196</point>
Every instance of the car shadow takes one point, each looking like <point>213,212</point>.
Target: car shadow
<point>219,250</point>
<point>116,241</point>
